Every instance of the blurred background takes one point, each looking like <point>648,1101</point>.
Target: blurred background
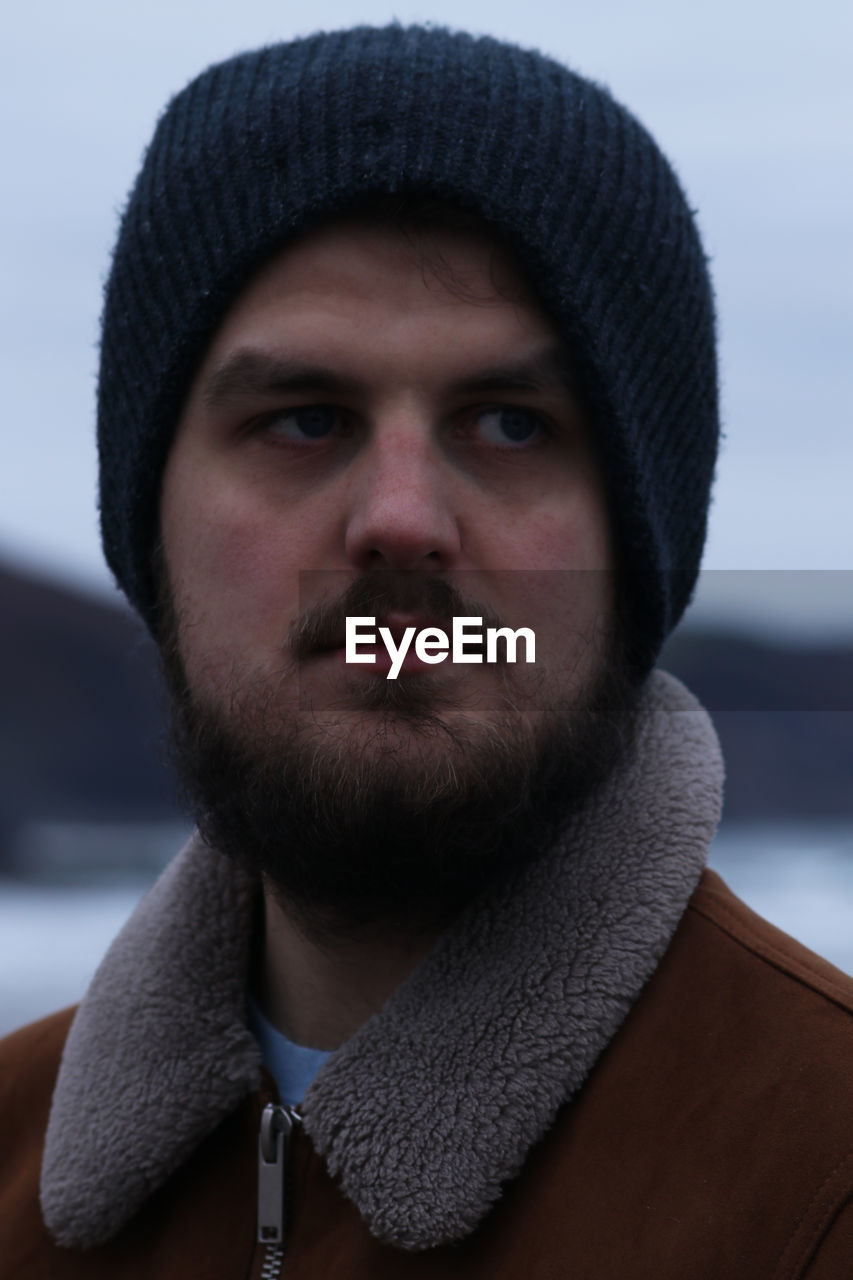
<point>752,101</point>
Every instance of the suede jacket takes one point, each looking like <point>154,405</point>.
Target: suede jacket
<point>609,1068</point>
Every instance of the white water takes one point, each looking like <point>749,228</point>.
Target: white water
<point>51,938</point>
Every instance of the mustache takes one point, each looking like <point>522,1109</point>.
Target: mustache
<point>432,598</point>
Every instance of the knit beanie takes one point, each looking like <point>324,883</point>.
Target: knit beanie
<point>258,148</point>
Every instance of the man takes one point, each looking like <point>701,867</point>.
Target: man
<point>406,330</point>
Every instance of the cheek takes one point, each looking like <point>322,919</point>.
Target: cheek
<point>555,535</point>
<point>563,581</point>
<point>235,576</point>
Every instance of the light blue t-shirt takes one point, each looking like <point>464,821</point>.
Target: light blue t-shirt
<point>292,1066</point>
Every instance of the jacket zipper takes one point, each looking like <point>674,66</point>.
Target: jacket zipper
<point>277,1125</point>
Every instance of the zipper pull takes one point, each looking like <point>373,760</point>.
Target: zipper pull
<point>277,1125</point>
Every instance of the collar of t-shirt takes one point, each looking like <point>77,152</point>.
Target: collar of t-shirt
<point>292,1066</point>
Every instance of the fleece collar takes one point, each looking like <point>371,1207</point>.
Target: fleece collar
<point>435,1102</point>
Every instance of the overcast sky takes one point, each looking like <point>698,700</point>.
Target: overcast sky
<point>751,100</point>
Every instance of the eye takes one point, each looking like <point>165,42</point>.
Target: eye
<point>305,423</point>
<point>509,426</point>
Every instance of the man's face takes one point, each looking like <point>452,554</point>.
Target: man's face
<point>408,435</point>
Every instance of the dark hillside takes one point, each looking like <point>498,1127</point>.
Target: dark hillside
<point>785,719</point>
<point>80,710</point>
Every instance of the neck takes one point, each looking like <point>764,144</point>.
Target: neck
<point>318,988</point>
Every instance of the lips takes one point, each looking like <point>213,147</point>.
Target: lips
<point>397,624</point>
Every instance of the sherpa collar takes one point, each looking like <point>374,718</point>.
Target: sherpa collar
<point>437,1099</point>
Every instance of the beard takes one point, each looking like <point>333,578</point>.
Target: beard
<point>398,806</point>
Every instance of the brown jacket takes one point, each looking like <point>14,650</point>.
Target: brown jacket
<point>596,1072</point>
<point>713,1139</point>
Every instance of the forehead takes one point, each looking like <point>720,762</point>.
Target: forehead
<point>414,282</point>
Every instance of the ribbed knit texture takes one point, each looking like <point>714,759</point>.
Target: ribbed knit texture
<point>256,148</point>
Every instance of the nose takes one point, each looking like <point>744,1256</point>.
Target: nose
<point>401,507</point>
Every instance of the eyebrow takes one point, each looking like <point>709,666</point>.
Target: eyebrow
<point>549,370</point>
<point>250,372</point>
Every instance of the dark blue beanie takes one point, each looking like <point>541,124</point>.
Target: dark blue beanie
<point>261,146</point>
